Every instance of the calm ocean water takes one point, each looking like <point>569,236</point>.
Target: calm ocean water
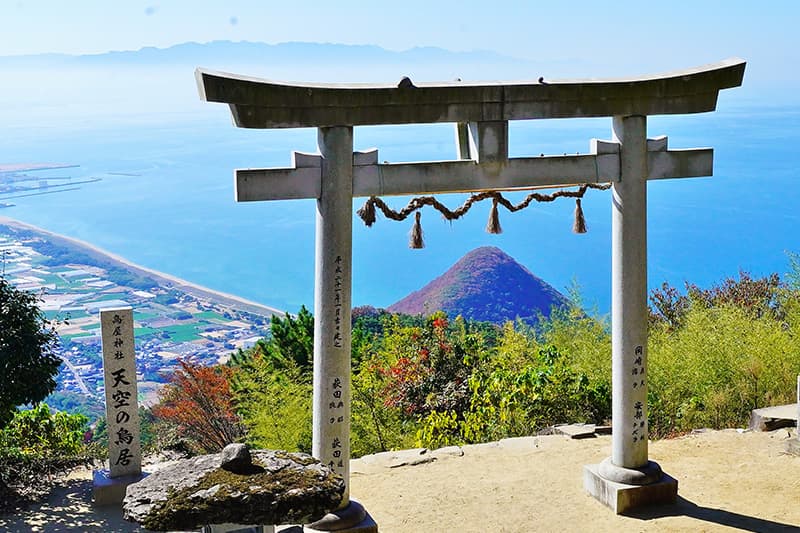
<point>165,201</point>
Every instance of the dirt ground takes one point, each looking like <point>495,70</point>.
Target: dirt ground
<point>728,481</point>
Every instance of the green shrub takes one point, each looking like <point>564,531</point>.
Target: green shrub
<point>274,403</point>
<point>718,366</point>
<point>584,340</point>
<point>36,447</point>
<point>40,432</point>
<point>512,400</point>
<point>376,426</point>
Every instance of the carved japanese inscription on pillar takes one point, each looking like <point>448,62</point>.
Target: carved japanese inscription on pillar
<point>119,370</point>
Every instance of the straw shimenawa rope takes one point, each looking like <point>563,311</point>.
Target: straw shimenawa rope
<point>368,211</point>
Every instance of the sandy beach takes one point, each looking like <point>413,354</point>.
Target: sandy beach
<point>186,286</point>
<point>728,481</point>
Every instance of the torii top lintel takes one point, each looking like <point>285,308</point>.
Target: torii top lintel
<point>258,103</point>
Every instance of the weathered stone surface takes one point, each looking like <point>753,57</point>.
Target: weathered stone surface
<point>397,458</point>
<point>107,490</point>
<point>512,443</point>
<point>451,451</point>
<point>645,475</point>
<point>622,498</point>
<point>576,431</point>
<point>772,418</point>
<point>792,446</point>
<point>278,488</point>
<point>236,458</point>
<point>411,461</point>
<point>257,103</point>
<point>340,519</point>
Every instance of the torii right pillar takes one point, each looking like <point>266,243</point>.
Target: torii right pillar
<point>628,479</point>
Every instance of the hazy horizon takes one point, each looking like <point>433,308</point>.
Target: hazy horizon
<point>122,116</point>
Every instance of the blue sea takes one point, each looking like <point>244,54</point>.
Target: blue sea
<point>165,200</point>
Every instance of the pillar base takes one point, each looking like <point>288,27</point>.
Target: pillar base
<point>623,497</point>
<point>352,519</point>
<point>107,490</point>
<point>644,475</point>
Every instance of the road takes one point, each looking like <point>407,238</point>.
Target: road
<point>81,384</point>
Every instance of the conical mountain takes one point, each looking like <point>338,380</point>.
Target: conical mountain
<point>486,284</point>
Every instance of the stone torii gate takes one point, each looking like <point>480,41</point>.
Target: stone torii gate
<point>481,112</point>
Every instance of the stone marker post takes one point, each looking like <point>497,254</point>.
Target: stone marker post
<point>122,407</point>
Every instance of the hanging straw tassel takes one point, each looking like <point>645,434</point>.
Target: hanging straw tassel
<point>580,222</point>
<point>416,241</point>
<point>493,226</point>
<point>367,212</point>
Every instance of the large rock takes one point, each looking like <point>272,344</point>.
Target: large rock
<point>277,488</point>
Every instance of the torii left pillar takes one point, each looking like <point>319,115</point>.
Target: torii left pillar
<point>332,331</point>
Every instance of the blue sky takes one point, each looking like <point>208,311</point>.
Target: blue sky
<point>614,38</point>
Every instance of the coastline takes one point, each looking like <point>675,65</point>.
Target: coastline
<point>32,167</point>
<point>194,289</point>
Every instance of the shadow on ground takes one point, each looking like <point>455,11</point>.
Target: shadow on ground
<point>684,507</point>
<point>68,508</point>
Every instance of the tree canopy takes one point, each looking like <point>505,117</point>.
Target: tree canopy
<point>28,359</point>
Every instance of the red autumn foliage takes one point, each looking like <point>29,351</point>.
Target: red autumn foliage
<point>431,374</point>
<point>199,401</point>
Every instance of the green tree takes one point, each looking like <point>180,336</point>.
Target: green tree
<point>271,384</point>
<point>28,359</point>
<point>275,404</point>
<point>756,296</point>
<point>289,344</point>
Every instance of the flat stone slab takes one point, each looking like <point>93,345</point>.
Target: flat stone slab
<point>510,443</point>
<point>577,431</point>
<point>396,459</point>
<point>448,451</point>
<point>771,418</point>
<point>397,463</point>
<point>621,497</point>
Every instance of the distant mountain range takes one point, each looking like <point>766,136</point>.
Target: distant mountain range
<point>245,52</point>
<point>488,285</point>
<point>303,61</point>
<point>151,81</point>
